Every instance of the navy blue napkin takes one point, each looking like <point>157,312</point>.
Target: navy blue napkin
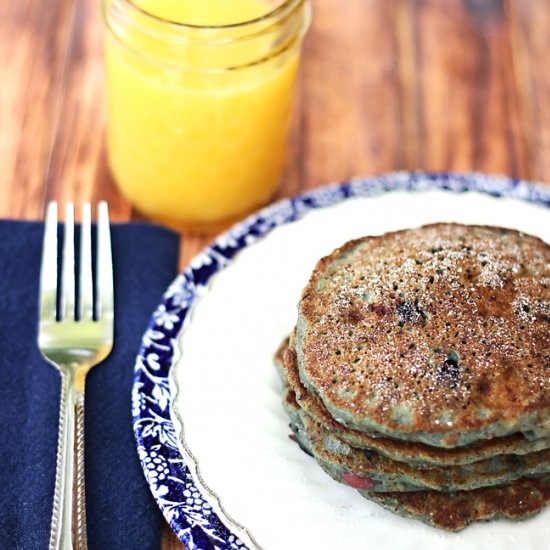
<point>121,511</point>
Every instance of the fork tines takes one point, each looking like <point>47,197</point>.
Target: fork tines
<point>76,301</point>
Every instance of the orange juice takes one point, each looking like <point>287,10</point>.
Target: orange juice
<point>200,104</point>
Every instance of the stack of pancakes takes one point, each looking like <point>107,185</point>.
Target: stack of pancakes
<point>419,372</point>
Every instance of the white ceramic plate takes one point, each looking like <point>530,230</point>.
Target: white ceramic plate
<point>226,397</point>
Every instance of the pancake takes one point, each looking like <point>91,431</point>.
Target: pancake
<point>369,470</point>
<point>516,501</point>
<point>400,450</point>
<point>279,361</point>
<point>439,335</point>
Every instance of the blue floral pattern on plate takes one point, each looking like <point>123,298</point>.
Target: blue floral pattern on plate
<point>188,513</point>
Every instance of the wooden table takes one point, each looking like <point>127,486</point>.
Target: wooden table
<point>385,85</point>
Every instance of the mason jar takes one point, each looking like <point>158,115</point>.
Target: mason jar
<point>199,97</point>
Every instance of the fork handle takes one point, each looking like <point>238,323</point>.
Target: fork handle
<point>68,527</point>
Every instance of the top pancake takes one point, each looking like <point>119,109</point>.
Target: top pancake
<point>439,334</point>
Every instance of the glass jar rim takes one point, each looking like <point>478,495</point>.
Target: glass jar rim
<point>125,21</point>
<point>271,15</point>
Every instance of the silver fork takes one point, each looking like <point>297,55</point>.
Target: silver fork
<point>74,342</point>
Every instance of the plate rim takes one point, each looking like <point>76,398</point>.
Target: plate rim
<point>169,474</point>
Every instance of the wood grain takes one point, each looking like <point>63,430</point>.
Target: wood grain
<point>351,119</point>
<point>458,83</point>
<point>35,39</point>
<point>529,42</point>
<point>77,170</point>
<point>384,85</point>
